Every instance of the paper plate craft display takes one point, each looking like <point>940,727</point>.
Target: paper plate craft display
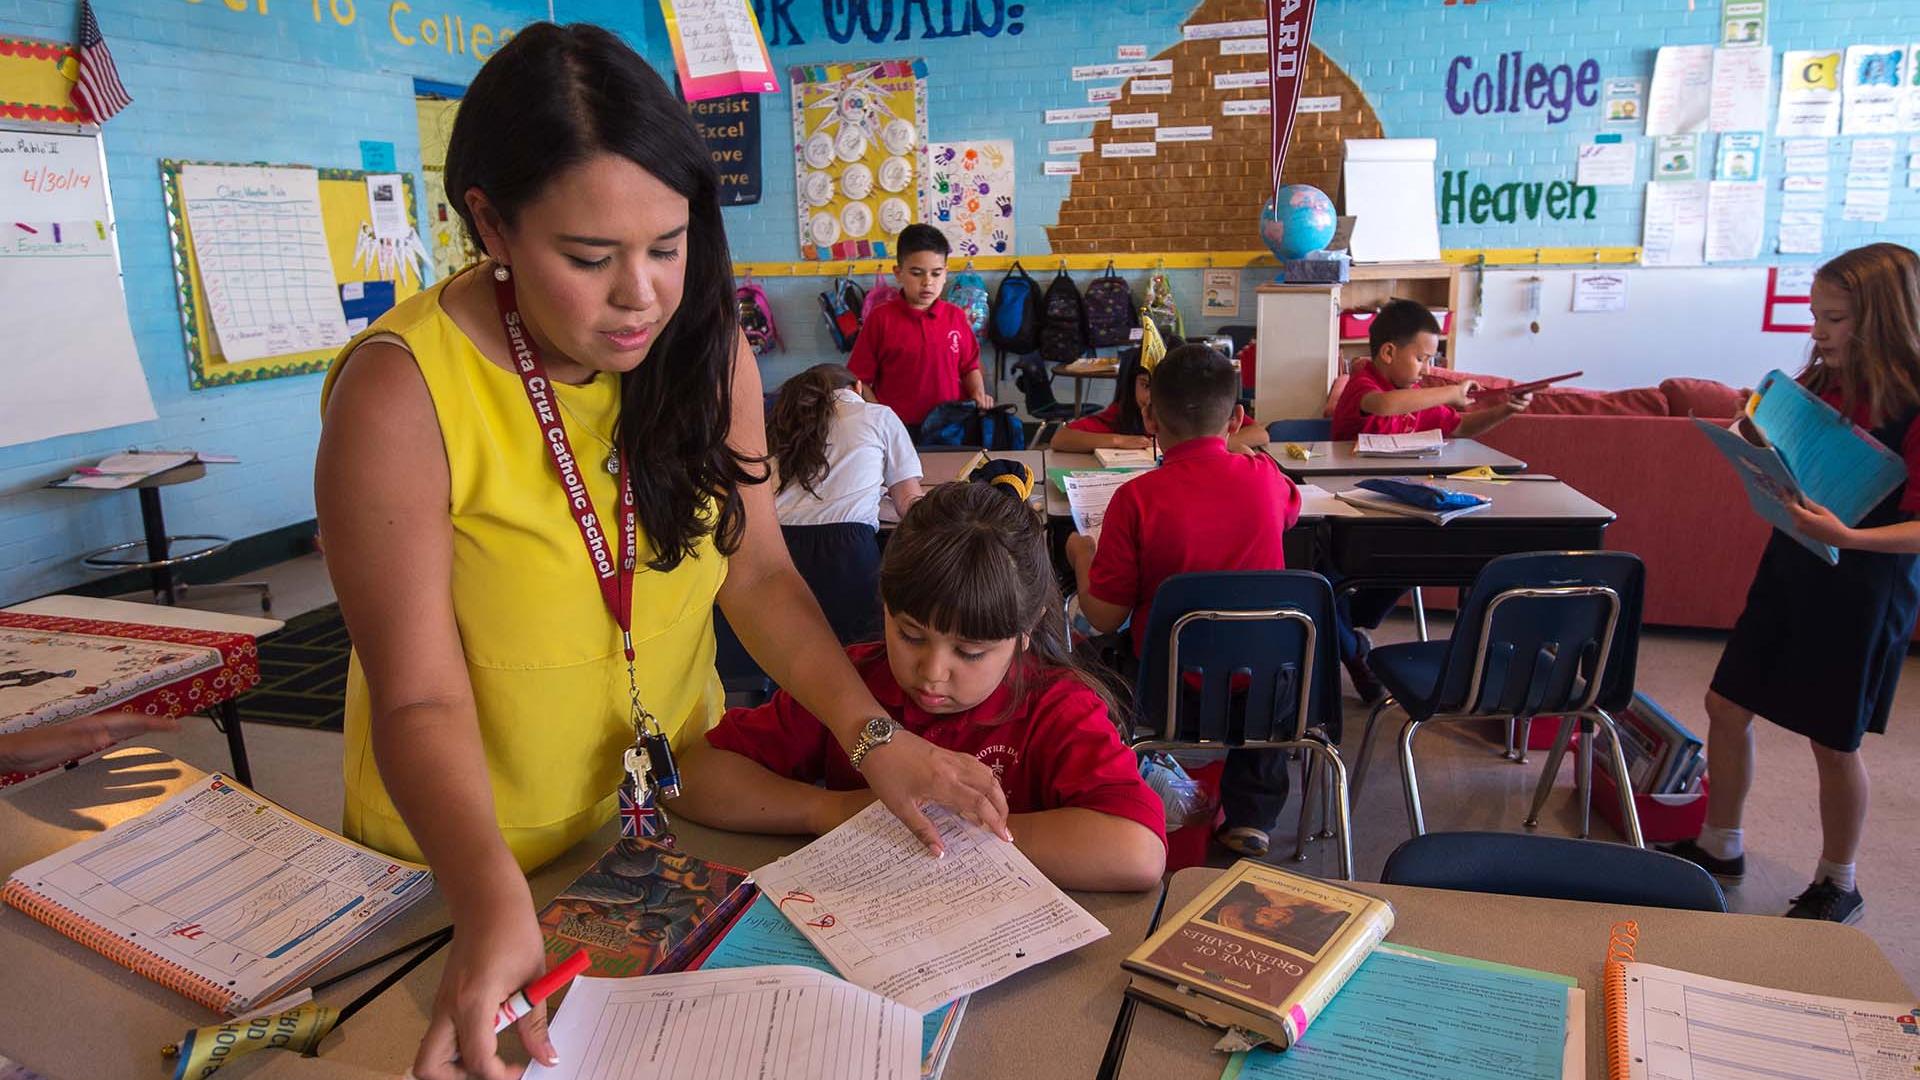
<point>970,195</point>
<point>860,151</point>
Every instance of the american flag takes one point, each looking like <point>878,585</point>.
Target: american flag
<point>97,91</point>
<point>640,817</point>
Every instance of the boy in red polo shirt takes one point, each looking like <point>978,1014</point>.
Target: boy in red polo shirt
<point>1205,508</point>
<point>919,351</point>
<point>1384,397</point>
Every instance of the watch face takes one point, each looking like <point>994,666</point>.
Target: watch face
<point>879,728</point>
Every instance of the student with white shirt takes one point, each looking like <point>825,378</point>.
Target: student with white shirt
<point>835,454</point>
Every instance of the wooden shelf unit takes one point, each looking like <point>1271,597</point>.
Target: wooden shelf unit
<point>1434,284</point>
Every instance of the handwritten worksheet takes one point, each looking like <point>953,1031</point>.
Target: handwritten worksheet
<point>788,1022</point>
<point>1088,495</point>
<point>262,253</point>
<point>917,929</point>
<point>717,49</point>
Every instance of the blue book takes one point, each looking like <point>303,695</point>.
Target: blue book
<point>1836,464</point>
<point>1770,485</point>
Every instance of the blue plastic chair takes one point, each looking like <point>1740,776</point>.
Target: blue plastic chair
<point>1541,633</point>
<point>1315,429</point>
<point>1553,867</point>
<point>1245,660</point>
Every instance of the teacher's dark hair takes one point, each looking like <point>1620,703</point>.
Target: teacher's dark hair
<point>550,99</point>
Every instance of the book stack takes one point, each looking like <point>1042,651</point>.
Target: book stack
<point>1663,757</point>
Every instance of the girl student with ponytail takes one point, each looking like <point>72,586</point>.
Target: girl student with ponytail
<point>835,454</point>
<point>973,660</point>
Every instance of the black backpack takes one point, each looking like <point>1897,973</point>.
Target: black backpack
<point>963,423</point>
<point>1063,328</point>
<point>1016,313</point>
<point>1111,314</point>
<point>841,306</point>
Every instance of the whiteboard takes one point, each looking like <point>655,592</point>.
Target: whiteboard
<point>70,364</point>
<point>1389,189</point>
<point>1702,323</point>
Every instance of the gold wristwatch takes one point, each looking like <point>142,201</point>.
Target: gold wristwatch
<point>875,732</point>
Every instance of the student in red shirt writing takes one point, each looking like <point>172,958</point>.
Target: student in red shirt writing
<point>1205,508</point>
<point>973,660</point>
<point>918,351</point>
<point>1384,397</point>
<point>1123,424</point>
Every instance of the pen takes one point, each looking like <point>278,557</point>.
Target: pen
<point>537,991</point>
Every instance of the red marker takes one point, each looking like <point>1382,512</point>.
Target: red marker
<point>537,991</point>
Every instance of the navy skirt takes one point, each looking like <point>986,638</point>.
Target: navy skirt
<point>841,564</point>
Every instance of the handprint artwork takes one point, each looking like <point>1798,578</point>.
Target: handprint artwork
<point>971,200</point>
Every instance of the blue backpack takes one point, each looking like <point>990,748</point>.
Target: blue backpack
<point>962,423</point>
<point>969,293</point>
<point>1016,313</point>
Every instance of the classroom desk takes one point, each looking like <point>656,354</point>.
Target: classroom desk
<point>1338,458</point>
<point>1082,370</point>
<point>1054,1019</point>
<point>1563,937</point>
<point>943,467</point>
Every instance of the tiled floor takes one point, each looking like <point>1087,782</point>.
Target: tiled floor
<point>1465,785</point>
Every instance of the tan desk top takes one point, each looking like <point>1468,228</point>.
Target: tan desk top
<point>1056,1017</point>
<point>1338,457</point>
<point>1520,500</point>
<point>1566,938</point>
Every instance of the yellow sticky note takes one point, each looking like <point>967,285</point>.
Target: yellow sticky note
<point>1479,472</point>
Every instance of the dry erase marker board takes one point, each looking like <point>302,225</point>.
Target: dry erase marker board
<point>343,209</point>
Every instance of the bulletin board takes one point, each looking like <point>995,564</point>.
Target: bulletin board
<point>343,206</point>
<point>36,79</point>
<point>860,154</point>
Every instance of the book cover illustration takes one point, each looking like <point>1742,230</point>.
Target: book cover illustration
<point>643,907</point>
<point>1257,942</point>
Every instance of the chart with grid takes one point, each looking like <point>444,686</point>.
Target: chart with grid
<point>261,247</point>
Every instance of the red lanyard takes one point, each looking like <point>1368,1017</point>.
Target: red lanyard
<point>613,569</point>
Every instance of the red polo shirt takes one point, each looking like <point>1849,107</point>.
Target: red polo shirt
<point>1205,508</point>
<point>1909,450</point>
<point>1349,421</point>
<point>1057,749</point>
<point>1107,422</point>
<point>914,359</point>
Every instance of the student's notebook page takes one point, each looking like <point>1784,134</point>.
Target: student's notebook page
<point>1318,502</point>
<point>228,886</point>
<point>1682,1026</point>
<point>1088,495</point>
<point>788,1022</point>
<point>1412,444</point>
<point>918,929</point>
<point>1839,467</point>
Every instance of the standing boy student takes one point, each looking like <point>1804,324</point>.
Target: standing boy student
<point>918,351</point>
<point>1384,397</point>
<point>1205,508</point>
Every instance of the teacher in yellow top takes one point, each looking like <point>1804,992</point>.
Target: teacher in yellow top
<point>494,450</point>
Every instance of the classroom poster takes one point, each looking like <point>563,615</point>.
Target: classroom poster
<point>1220,293</point>
<point>262,250</point>
<point>730,127</point>
<point>1599,291</point>
<point>970,195</point>
<point>1809,94</point>
<point>1607,161</point>
<point>860,155</point>
<point>1743,23</point>
<point>1623,102</point>
<point>1681,97</point>
<point>1910,90</point>
<point>1674,230</point>
<point>1738,156</point>
<point>1736,219</point>
<point>1871,89</point>
<point>717,48</point>
<point>1676,157</point>
<point>1742,84</point>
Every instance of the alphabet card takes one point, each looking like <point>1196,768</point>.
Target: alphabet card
<point>859,154</point>
<point>970,195</point>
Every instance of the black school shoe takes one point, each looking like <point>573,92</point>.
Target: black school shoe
<point>1825,900</point>
<point>1728,871</point>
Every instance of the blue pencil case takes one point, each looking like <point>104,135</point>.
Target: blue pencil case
<point>1424,496</point>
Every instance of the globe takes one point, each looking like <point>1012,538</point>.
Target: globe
<point>1299,220</point>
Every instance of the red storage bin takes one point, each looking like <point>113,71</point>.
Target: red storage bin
<point>1663,818</point>
<point>1445,319</point>
<point>1354,324</point>
<point>1188,846</point>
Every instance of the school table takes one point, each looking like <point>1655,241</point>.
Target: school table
<point>1559,936</point>
<point>1082,370</point>
<point>1055,1019</point>
<point>944,466</point>
<point>1338,458</point>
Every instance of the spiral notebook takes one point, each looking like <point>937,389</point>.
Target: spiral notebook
<point>218,894</point>
<point>1674,1025</point>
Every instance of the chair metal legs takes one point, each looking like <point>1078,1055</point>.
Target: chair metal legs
<point>1629,814</point>
<point>1583,774</point>
<point>1366,742</point>
<point>1341,818</point>
<point>1409,781</point>
<point>1519,733</point>
<point>1419,613</point>
<point>1551,773</point>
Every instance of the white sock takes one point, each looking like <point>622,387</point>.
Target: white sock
<point>1841,874</point>
<point>1721,843</point>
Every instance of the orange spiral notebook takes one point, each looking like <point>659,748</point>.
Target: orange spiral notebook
<point>1674,1025</point>
<point>217,894</point>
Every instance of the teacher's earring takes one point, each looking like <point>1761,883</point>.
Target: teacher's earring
<point>501,273</point>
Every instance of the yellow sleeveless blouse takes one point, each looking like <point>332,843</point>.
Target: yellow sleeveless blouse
<point>543,653</point>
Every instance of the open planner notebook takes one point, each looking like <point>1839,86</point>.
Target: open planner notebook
<point>218,894</point>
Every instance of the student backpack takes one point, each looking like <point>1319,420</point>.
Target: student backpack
<point>969,293</point>
<point>841,305</point>
<point>756,318</point>
<point>1160,306</point>
<point>1110,311</point>
<point>1016,313</point>
<point>963,423</point>
<point>882,292</point>
<point>1063,329</point>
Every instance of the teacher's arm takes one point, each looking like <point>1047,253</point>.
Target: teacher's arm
<point>780,623</point>
<point>381,488</point>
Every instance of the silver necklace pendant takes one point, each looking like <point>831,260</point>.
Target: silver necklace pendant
<point>613,462</point>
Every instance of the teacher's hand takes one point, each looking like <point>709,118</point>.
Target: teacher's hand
<point>909,772</point>
<point>495,952</point>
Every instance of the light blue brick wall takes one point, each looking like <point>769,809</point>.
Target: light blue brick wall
<point>214,84</point>
<point>1397,51</point>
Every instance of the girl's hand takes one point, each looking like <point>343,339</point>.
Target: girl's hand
<point>1132,442</point>
<point>495,953</point>
<point>908,772</point>
<point>1818,523</point>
